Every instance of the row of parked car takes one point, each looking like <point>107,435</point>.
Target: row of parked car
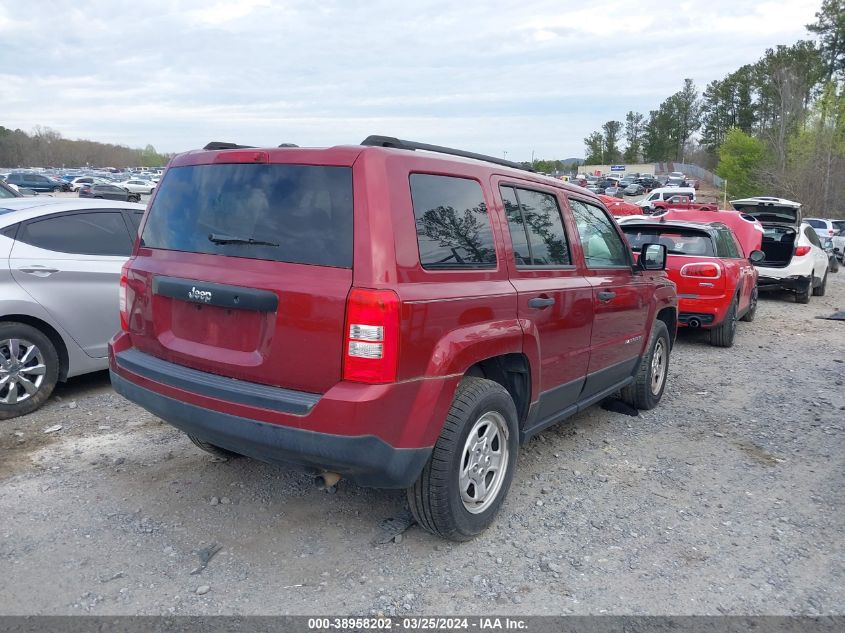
<point>409,333</point>
<point>633,184</point>
<point>124,186</point>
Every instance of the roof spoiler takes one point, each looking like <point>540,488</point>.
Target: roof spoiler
<point>215,145</point>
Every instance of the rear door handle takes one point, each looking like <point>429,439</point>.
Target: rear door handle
<point>39,271</point>
<point>540,302</point>
<point>606,295</point>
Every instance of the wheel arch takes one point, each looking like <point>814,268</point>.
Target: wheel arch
<point>513,372</point>
<point>50,332</point>
<point>669,316</point>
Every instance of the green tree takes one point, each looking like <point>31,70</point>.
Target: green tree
<point>612,131</point>
<point>726,104</point>
<point>830,27</point>
<point>816,168</point>
<point>595,149</point>
<point>740,158</point>
<point>685,108</point>
<point>633,136</point>
<point>656,143</point>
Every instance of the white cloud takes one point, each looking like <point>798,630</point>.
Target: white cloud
<point>226,11</point>
<point>490,76</point>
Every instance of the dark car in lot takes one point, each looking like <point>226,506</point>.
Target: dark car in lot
<point>648,183</point>
<point>35,182</point>
<point>108,192</point>
<point>402,318</point>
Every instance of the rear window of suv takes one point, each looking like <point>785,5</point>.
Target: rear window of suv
<point>288,213</point>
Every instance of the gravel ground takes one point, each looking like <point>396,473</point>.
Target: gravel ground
<point>727,498</point>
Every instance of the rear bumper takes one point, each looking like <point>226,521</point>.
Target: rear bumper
<point>709,311</point>
<point>696,319</point>
<point>375,435</point>
<point>793,282</point>
<point>364,459</point>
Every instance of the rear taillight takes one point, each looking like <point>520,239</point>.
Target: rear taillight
<point>371,339</point>
<point>801,250</point>
<point>125,297</point>
<point>831,232</point>
<point>701,269</point>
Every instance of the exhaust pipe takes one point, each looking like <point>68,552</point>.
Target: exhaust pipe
<point>327,481</point>
<point>694,323</point>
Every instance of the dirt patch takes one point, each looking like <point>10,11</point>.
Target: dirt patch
<point>17,448</point>
<point>758,454</point>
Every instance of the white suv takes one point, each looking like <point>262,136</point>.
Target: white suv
<point>795,259</point>
<point>834,229</point>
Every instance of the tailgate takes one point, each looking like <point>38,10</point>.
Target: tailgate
<point>244,271</point>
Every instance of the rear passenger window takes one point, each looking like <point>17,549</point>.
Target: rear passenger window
<point>603,248</point>
<point>726,245</point>
<point>536,228</point>
<point>102,233</point>
<point>453,228</point>
<point>519,238</point>
<point>135,217</point>
<point>813,237</point>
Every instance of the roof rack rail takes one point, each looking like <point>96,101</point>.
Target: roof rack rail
<point>221,145</point>
<point>390,141</point>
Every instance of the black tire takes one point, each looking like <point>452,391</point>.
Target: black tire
<point>749,315</point>
<point>50,359</point>
<point>819,290</point>
<point>642,394</point>
<point>723,334</point>
<point>803,296</point>
<point>222,453</point>
<point>436,498</point>
<point>56,189</point>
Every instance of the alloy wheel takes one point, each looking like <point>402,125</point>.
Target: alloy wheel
<point>22,370</point>
<point>658,366</point>
<point>484,462</point>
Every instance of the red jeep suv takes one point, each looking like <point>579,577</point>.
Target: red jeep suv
<point>400,314</point>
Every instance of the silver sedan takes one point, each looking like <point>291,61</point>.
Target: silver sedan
<point>60,262</point>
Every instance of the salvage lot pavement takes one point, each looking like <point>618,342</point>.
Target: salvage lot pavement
<point>727,498</point>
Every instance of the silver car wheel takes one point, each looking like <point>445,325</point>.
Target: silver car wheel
<point>658,366</point>
<point>22,370</point>
<point>484,462</point>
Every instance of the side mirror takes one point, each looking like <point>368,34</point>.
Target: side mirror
<point>836,249</point>
<point>652,257</point>
<point>756,257</point>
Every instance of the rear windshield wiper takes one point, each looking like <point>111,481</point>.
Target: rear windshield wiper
<point>221,238</point>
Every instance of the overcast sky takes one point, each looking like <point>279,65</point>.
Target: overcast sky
<point>493,77</point>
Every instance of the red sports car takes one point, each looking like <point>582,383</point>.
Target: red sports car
<point>714,271</point>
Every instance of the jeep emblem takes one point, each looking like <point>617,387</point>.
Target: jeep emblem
<point>199,295</point>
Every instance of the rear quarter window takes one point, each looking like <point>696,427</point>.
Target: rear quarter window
<point>100,233</point>
<point>452,223</point>
<point>288,213</point>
